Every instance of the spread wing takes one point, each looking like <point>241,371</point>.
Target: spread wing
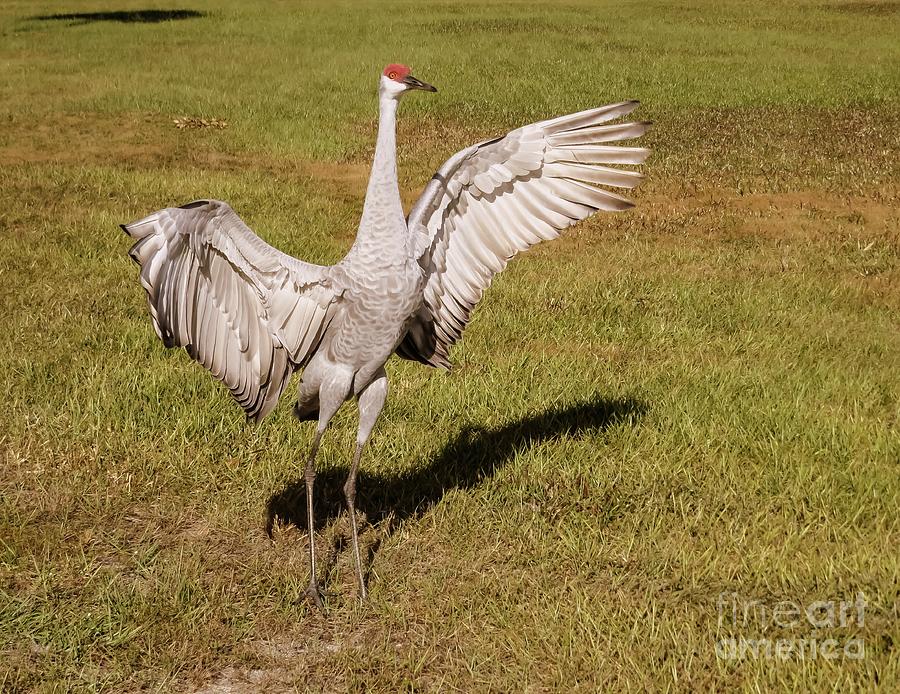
<point>500,197</point>
<point>246,311</point>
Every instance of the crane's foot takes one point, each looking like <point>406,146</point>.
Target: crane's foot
<point>316,596</point>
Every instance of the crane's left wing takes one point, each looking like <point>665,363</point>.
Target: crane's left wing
<point>500,197</point>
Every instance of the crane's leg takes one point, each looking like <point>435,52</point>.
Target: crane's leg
<point>371,400</point>
<point>309,475</point>
<point>333,391</point>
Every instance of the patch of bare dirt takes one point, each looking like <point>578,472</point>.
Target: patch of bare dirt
<point>885,8</point>
<point>799,214</point>
<point>281,662</point>
<point>347,180</point>
<point>235,681</point>
<point>80,138</point>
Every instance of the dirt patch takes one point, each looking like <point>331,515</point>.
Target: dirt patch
<point>347,180</point>
<point>79,138</point>
<point>235,681</point>
<point>134,140</point>
<point>878,9</point>
<point>800,214</point>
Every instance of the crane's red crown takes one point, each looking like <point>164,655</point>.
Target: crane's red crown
<point>396,72</point>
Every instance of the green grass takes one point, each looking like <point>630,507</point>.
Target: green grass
<point>698,397</point>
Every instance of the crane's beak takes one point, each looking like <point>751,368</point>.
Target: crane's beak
<point>413,83</point>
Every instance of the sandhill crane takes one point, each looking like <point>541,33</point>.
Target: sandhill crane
<point>253,315</point>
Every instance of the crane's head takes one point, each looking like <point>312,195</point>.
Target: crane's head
<point>396,80</point>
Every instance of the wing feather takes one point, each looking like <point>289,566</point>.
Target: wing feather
<point>247,312</point>
<point>500,197</point>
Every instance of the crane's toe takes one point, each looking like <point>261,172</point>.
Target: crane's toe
<point>316,596</point>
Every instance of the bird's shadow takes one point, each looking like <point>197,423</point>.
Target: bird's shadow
<point>124,17</point>
<point>471,456</point>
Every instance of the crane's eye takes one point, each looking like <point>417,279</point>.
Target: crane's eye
<point>392,75</point>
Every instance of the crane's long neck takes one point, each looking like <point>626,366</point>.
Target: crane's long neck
<point>382,229</point>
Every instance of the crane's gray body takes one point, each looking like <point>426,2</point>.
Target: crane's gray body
<point>376,308</point>
<point>253,315</point>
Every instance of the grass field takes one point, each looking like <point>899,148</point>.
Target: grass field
<point>695,399</point>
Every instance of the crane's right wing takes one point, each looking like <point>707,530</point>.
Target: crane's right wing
<point>243,309</point>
